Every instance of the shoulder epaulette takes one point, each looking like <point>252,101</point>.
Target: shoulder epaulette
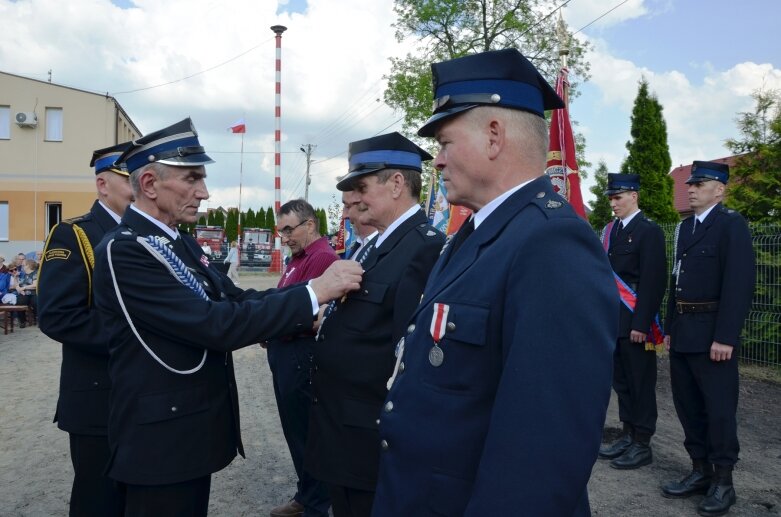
<point>78,219</point>
<point>428,231</point>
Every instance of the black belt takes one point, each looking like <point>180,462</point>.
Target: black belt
<point>684,307</point>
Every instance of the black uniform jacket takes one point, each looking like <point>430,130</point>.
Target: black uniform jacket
<point>716,265</point>
<point>637,256</point>
<point>167,427</point>
<point>66,314</point>
<point>355,356</point>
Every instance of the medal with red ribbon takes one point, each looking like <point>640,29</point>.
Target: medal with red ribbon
<point>438,329</point>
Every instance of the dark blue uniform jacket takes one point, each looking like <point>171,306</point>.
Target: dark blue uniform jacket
<point>716,265</point>
<point>166,427</point>
<point>511,421</point>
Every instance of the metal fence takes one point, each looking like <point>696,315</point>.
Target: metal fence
<point>761,341</point>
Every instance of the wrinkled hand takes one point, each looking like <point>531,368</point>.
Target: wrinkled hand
<point>340,278</point>
<point>720,352</point>
<point>636,336</point>
<point>667,343</point>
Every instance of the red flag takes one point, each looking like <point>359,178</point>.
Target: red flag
<point>238,127</point>
<point>562,166</point>
<point>340,247</point>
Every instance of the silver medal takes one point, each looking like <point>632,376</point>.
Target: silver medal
<point>436,356</point>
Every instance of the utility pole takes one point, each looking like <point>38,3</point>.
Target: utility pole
<point>307,149</point>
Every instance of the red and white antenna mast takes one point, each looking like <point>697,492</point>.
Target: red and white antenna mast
<point>276,254</point>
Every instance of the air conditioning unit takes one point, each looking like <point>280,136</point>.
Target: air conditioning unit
<point>26,119</point>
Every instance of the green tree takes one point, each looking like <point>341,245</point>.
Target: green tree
<point>649,156</point>
<point>755,183</point>
<point>271,220</point>
<point>446,29</point>
<point>231,225</point>
<point>210,218</point>
<point>260,219</point>
<point>202,221</point>
<point>219,218</point>
<point>601,213</point>
<point>322,221</point>
<point>249,219</point>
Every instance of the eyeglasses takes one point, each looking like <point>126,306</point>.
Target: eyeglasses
<point>287,231</point>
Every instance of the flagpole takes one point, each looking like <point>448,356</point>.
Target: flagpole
<point>564,39</point>
<point>241,179</point>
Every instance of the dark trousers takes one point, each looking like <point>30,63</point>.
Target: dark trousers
<point>291,363</point>
<point>350,502</point>
<point>705,394</point>
<point>92,492</point>
<point>186,499</point>
<point>634,380</point>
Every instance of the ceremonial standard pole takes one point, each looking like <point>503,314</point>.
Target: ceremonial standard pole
<point>276,254</point>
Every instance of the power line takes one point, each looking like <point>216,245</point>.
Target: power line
<point>600,17</point>
<point>234,58</point>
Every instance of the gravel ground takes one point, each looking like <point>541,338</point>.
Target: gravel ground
<point>35,470</point>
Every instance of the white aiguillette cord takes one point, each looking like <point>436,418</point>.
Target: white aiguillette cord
<point>155,246</point>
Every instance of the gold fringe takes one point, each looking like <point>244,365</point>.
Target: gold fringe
<point>87,255</point>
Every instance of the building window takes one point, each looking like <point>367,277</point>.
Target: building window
<point>53,215</point>
<point>5,122</point>
<point>54,124</point>
<point>3,220</point>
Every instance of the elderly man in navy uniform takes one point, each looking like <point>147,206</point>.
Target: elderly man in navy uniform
<point>66,314</point>
<point>354,353</point>
<point>498,398</point>
<point>172,320</point>
<point>635,246</point>
<point>711,288</point>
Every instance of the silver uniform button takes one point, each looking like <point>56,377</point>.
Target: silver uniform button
<point>451,326</point>
<point>174,409</point>
<point>411,328</point>
<point>384,445</point>
<point>401,367</point>
<point>389,406</point>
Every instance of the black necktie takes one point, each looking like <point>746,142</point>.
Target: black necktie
<point>462,234</point>
<point>353,248</point>
<point>694,225</point>
<point>620,227</point>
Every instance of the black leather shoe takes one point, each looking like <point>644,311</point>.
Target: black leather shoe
<point>720,495</point>
<point>615,449</point>
<point>637,455</point>
<point>696,482</point>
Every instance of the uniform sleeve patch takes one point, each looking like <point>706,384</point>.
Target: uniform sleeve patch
<point>57,253</point>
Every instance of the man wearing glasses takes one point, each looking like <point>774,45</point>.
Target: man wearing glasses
<point>290,357</point>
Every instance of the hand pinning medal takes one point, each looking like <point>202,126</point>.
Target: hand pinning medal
<point>438,328</point>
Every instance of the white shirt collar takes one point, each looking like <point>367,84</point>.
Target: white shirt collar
<point>395,224</point>
<point>366,239</point>
<point>174,234</point>
<point>701,218</point>
<point>482,214</point>
<point>117,218</point>
<point>628,219</point>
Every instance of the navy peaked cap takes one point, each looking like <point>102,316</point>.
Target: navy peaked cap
<point>176,145</point>
<point>502,78</point>
<point>107,159</point>
<point>391,151</point>
<point>617,183</point>
<point>705,171</point>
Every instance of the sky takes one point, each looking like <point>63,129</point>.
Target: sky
<point>213,60</point>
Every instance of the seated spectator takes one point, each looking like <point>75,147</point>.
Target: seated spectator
<point>3,267</point>
<point>27,289</point>
<point>5,281</point>
<point>9,297</point>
